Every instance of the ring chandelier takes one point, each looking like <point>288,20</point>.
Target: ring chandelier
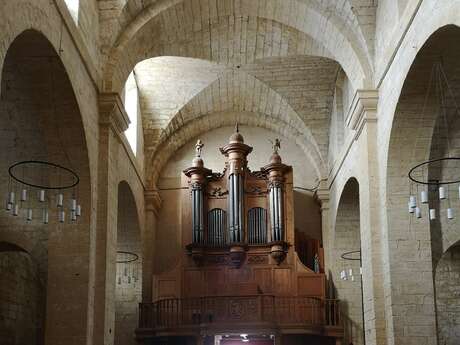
<point>36,187</point>
<point>429,188</point>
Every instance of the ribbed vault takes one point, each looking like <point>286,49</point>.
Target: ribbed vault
<point>267,88</point>
<point>171,142</point>
<point>216,32</point>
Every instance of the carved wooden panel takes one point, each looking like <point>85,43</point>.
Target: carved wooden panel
<point>193,284</point>
<point>258,259</point>
<point>166,288</point>
<point>311,285</point>
<point>263,277</point>
<point>282,281</point>
<point>241,275</point>
<point>215,279</point>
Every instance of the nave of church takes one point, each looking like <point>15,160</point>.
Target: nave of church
<point>222,172</point>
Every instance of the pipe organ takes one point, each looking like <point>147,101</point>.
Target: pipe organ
<point>239,269</point>
<point>238,231</point>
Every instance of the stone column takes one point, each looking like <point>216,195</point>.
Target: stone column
<point>152,208</point>
<point>363,122</point>
<point>113,121</point>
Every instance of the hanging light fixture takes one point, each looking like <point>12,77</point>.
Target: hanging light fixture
<point>350,274</point>
<point>423,189</point>
<point>127,267</point>
<point>40,185</point>
<point>36,186</point>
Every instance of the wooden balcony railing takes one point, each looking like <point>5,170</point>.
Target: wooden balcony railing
<point>276,310</point>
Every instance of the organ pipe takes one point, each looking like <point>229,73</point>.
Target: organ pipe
<point>276,212</point>
<point>235,206</point>
<point>197,174</point>
<point>257,226</point>
<point>197,214</point>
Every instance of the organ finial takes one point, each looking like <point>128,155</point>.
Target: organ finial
<point>199,147</point>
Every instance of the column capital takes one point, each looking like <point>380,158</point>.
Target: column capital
<point>153,201</point>
<point>112,112</point>
<point>322,195</point>
<point>363,109</point>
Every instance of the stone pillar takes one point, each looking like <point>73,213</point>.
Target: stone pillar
<point>152,209</point>
<point>113,121</point>
<point>363,122</point>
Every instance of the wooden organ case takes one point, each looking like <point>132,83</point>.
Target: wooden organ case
<point>239,266</point>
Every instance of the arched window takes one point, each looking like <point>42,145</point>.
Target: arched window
<point>132,109</point>
<point>73,6</point>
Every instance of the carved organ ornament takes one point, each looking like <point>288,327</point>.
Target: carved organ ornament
<point>238,208</point>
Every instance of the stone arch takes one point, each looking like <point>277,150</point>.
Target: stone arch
<point>337,120</point>
<point>402,4</point>
<point>446,283</point>
<point>269,109</point>
<point>25,243</point>
<point>343,14</point>
<point>345,50</point>
<point>215,120</point>
<point>414,244</point>
<point>22,301</point>
<point>347,238</point>
<point>41,119</point>
<point>128,291</point>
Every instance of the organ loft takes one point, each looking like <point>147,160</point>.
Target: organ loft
<point>240,276</point>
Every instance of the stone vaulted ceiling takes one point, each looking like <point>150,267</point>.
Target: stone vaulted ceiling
<point>268,63</point>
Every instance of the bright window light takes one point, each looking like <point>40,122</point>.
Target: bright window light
<point>131,107</point>
<point>73,6</point>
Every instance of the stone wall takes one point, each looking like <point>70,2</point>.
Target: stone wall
<point>447,282</point>
<point>22,300</point>
<point>348,239</point>
<point>128,277</point>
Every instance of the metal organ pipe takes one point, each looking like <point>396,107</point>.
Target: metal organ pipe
<point>280,214</point>
<point>236,207</point>
<point>197,214</point>
<point>276,212</point>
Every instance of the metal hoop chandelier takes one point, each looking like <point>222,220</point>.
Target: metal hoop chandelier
<point>127,267</point>
<point>126,257</point>
<point>36,185</point>
<point>350,256</point>
<point>419,174</point>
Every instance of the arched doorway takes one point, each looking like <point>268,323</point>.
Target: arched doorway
<point>128,291</point>
<point>40,120</point>
<point>346,275</point>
